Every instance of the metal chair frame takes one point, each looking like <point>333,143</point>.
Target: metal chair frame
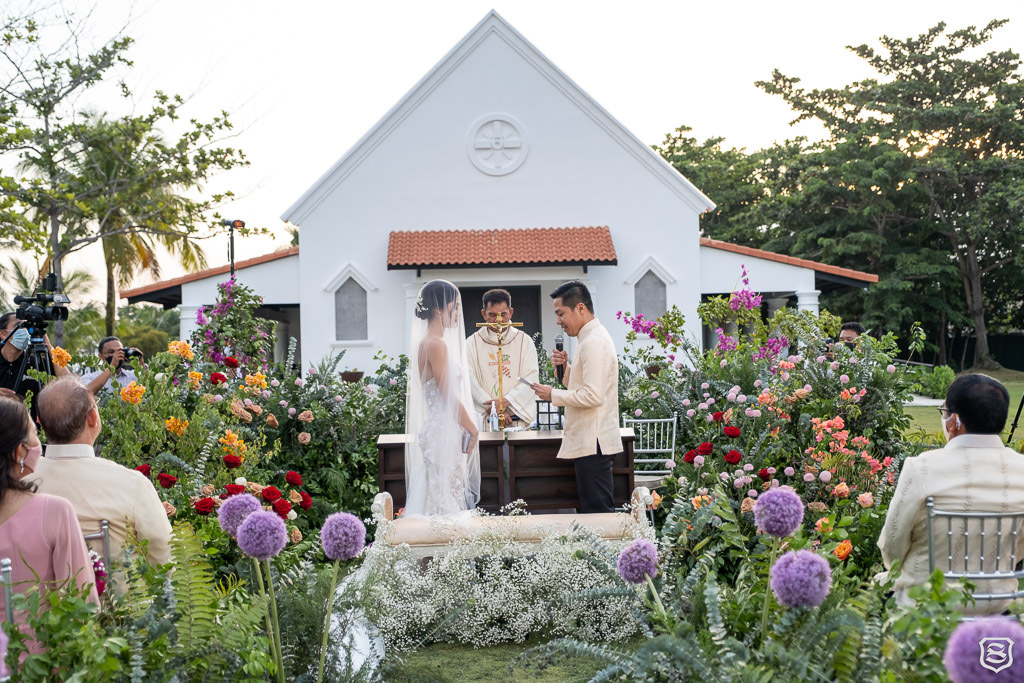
<point>7,579</point>
<point>653,436</point>
<point>102,535</point>
<point>549,417</point>
<point>1005,527</point>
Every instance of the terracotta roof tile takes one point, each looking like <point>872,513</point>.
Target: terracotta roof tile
<point>791,260</point>
<point>511,247</point>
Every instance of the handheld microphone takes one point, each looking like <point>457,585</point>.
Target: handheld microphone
<point>559,346</point>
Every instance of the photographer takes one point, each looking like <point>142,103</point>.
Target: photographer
<point>118,369</point>
<point>11,356</point>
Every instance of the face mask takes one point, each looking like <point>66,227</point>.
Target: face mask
<point>945,434</point>
<point>20,339</point>
<point>31,458</point>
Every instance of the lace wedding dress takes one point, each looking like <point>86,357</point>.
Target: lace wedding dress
<point>444,463</point>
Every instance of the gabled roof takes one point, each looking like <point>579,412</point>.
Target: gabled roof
<point>493,23</point>
<point>518,247</point>
<point>833,274</point>
<point>168,292</point>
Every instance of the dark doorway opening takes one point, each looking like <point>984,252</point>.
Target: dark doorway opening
<point>525,303</point>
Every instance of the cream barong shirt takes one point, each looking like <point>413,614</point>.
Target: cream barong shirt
<point>102,489</point>
<point>591,396</point>
<point>974,472</point>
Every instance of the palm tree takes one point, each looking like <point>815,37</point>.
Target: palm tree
<point>130,244</point>
<point>19,279</point>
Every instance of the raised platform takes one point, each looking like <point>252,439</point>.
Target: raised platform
<point>426,536</point>
<point>522,466</point>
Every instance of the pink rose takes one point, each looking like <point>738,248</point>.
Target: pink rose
<point>299,381</point>
<point>638,412</point>
<point>890,369</point>
<point>844,379</point>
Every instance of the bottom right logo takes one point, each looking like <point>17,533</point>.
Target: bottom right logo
<point>996,653</point>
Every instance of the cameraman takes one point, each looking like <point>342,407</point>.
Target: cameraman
<point>118,369</point>
<point>10,358</point>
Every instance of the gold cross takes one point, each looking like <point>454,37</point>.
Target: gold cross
<point>500,327</point>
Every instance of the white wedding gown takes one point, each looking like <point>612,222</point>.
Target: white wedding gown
<point>444,462</point>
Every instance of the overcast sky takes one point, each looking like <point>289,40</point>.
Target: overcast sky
<point>303,81</point>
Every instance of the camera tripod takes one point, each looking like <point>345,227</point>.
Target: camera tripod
<point>36,356</point>
<point>1016,419</point>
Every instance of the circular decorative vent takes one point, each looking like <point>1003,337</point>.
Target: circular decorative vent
<point>497,145</point>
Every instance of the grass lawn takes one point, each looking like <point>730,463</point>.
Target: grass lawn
<point>927,418</point>
<point>443,662</point>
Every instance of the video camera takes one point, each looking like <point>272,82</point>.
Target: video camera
<point>41,307</point>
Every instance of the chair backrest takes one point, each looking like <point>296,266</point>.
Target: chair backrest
<point>653,437</point>
<point>7,579</point>
<point>102,535</point>
<point>980,547</point>
<point>548,416</point>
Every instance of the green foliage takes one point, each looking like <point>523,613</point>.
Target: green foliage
<point>932,382</point>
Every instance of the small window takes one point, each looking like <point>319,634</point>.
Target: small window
<point>350,311</point>
<point>650,296</point>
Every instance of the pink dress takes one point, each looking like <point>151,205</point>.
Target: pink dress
<point>43,538</point>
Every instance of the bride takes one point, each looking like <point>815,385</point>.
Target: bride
<point>442,463</point>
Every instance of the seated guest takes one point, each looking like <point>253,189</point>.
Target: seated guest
<point>97,488</point>
<point>38,533</point>
<point>118,368</point>
<point>974,471</point>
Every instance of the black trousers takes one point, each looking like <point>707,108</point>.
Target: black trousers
<point>594,482</point>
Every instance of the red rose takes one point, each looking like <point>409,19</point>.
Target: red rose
<point>145,469</point>
<point>690,455</point>
<point>733,457</point>
<point>166,480</point>
<point>270,494</point>
<point>763,473</point>
<point>705,448</point>
<point>293,478</point>
<point>732,431</point>
<point>719,416</point>
<point>218,378</point>
<point>231,361</point>
<point>231,461</point>
<point>307,501</point>
<point>234,489</point>
<point>282,507</point>
<point>203,506</point>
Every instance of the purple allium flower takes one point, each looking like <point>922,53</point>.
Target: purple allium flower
<point>262,535</point>
<point>638,560</point>
<point>779,512</point>
<point>968,648</point>
<point>234,511</point>
<point>799,578</point>
<point>343,536</point>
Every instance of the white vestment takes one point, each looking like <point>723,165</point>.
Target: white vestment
<point>520,361</point>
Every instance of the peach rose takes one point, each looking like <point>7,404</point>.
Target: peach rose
<point>294,497</point>
<point>255,409</point>
<point>207,489</point>
<point>823,525</point>
<point>747,505</point>
<point>239,411</point>
<point>295,535</point>
<point>866,499</point>
<point>272,421</point>
<point>169,509</point>
<point>841,490</point>
<point>843,550</point>
<point>306,416</point>
<point>817,506</point>
<point>304,438</point>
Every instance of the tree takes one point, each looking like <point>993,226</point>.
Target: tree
<point>953,128</point>
<point>40,126</point>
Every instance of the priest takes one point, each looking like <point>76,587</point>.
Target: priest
<point>520,360</point>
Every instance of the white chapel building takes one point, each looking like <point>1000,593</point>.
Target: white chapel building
<point>495,170</point>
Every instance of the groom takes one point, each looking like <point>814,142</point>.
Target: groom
<point>591,397</point>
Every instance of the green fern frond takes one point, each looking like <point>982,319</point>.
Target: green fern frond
<point>194,589</point>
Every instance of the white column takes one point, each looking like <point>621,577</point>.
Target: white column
<point>776,303</point>
<point>187,324</point>
<point>808,301</point>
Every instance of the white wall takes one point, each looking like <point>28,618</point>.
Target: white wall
<point>721,273</point>
<point>417,175</point>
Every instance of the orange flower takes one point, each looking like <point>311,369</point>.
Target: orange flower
<point>256,380</point>
<point>841,490</point>
<point>176,426</point>
<point>700,501</point>
<point>181,349</point>
<point>656,497</point>
<point>823,525</point>
<point>133,393</point>
<point>843,550</point>
<point>194,378</point>
<point>272,421</point>
<point>60,357</point>
<point>239,411</point>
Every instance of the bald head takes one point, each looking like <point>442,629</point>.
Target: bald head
<point>64,407</point>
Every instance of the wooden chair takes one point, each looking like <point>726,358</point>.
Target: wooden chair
<point>980,547</point>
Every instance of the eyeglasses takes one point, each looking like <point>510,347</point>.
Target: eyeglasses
<point>945,412</point>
